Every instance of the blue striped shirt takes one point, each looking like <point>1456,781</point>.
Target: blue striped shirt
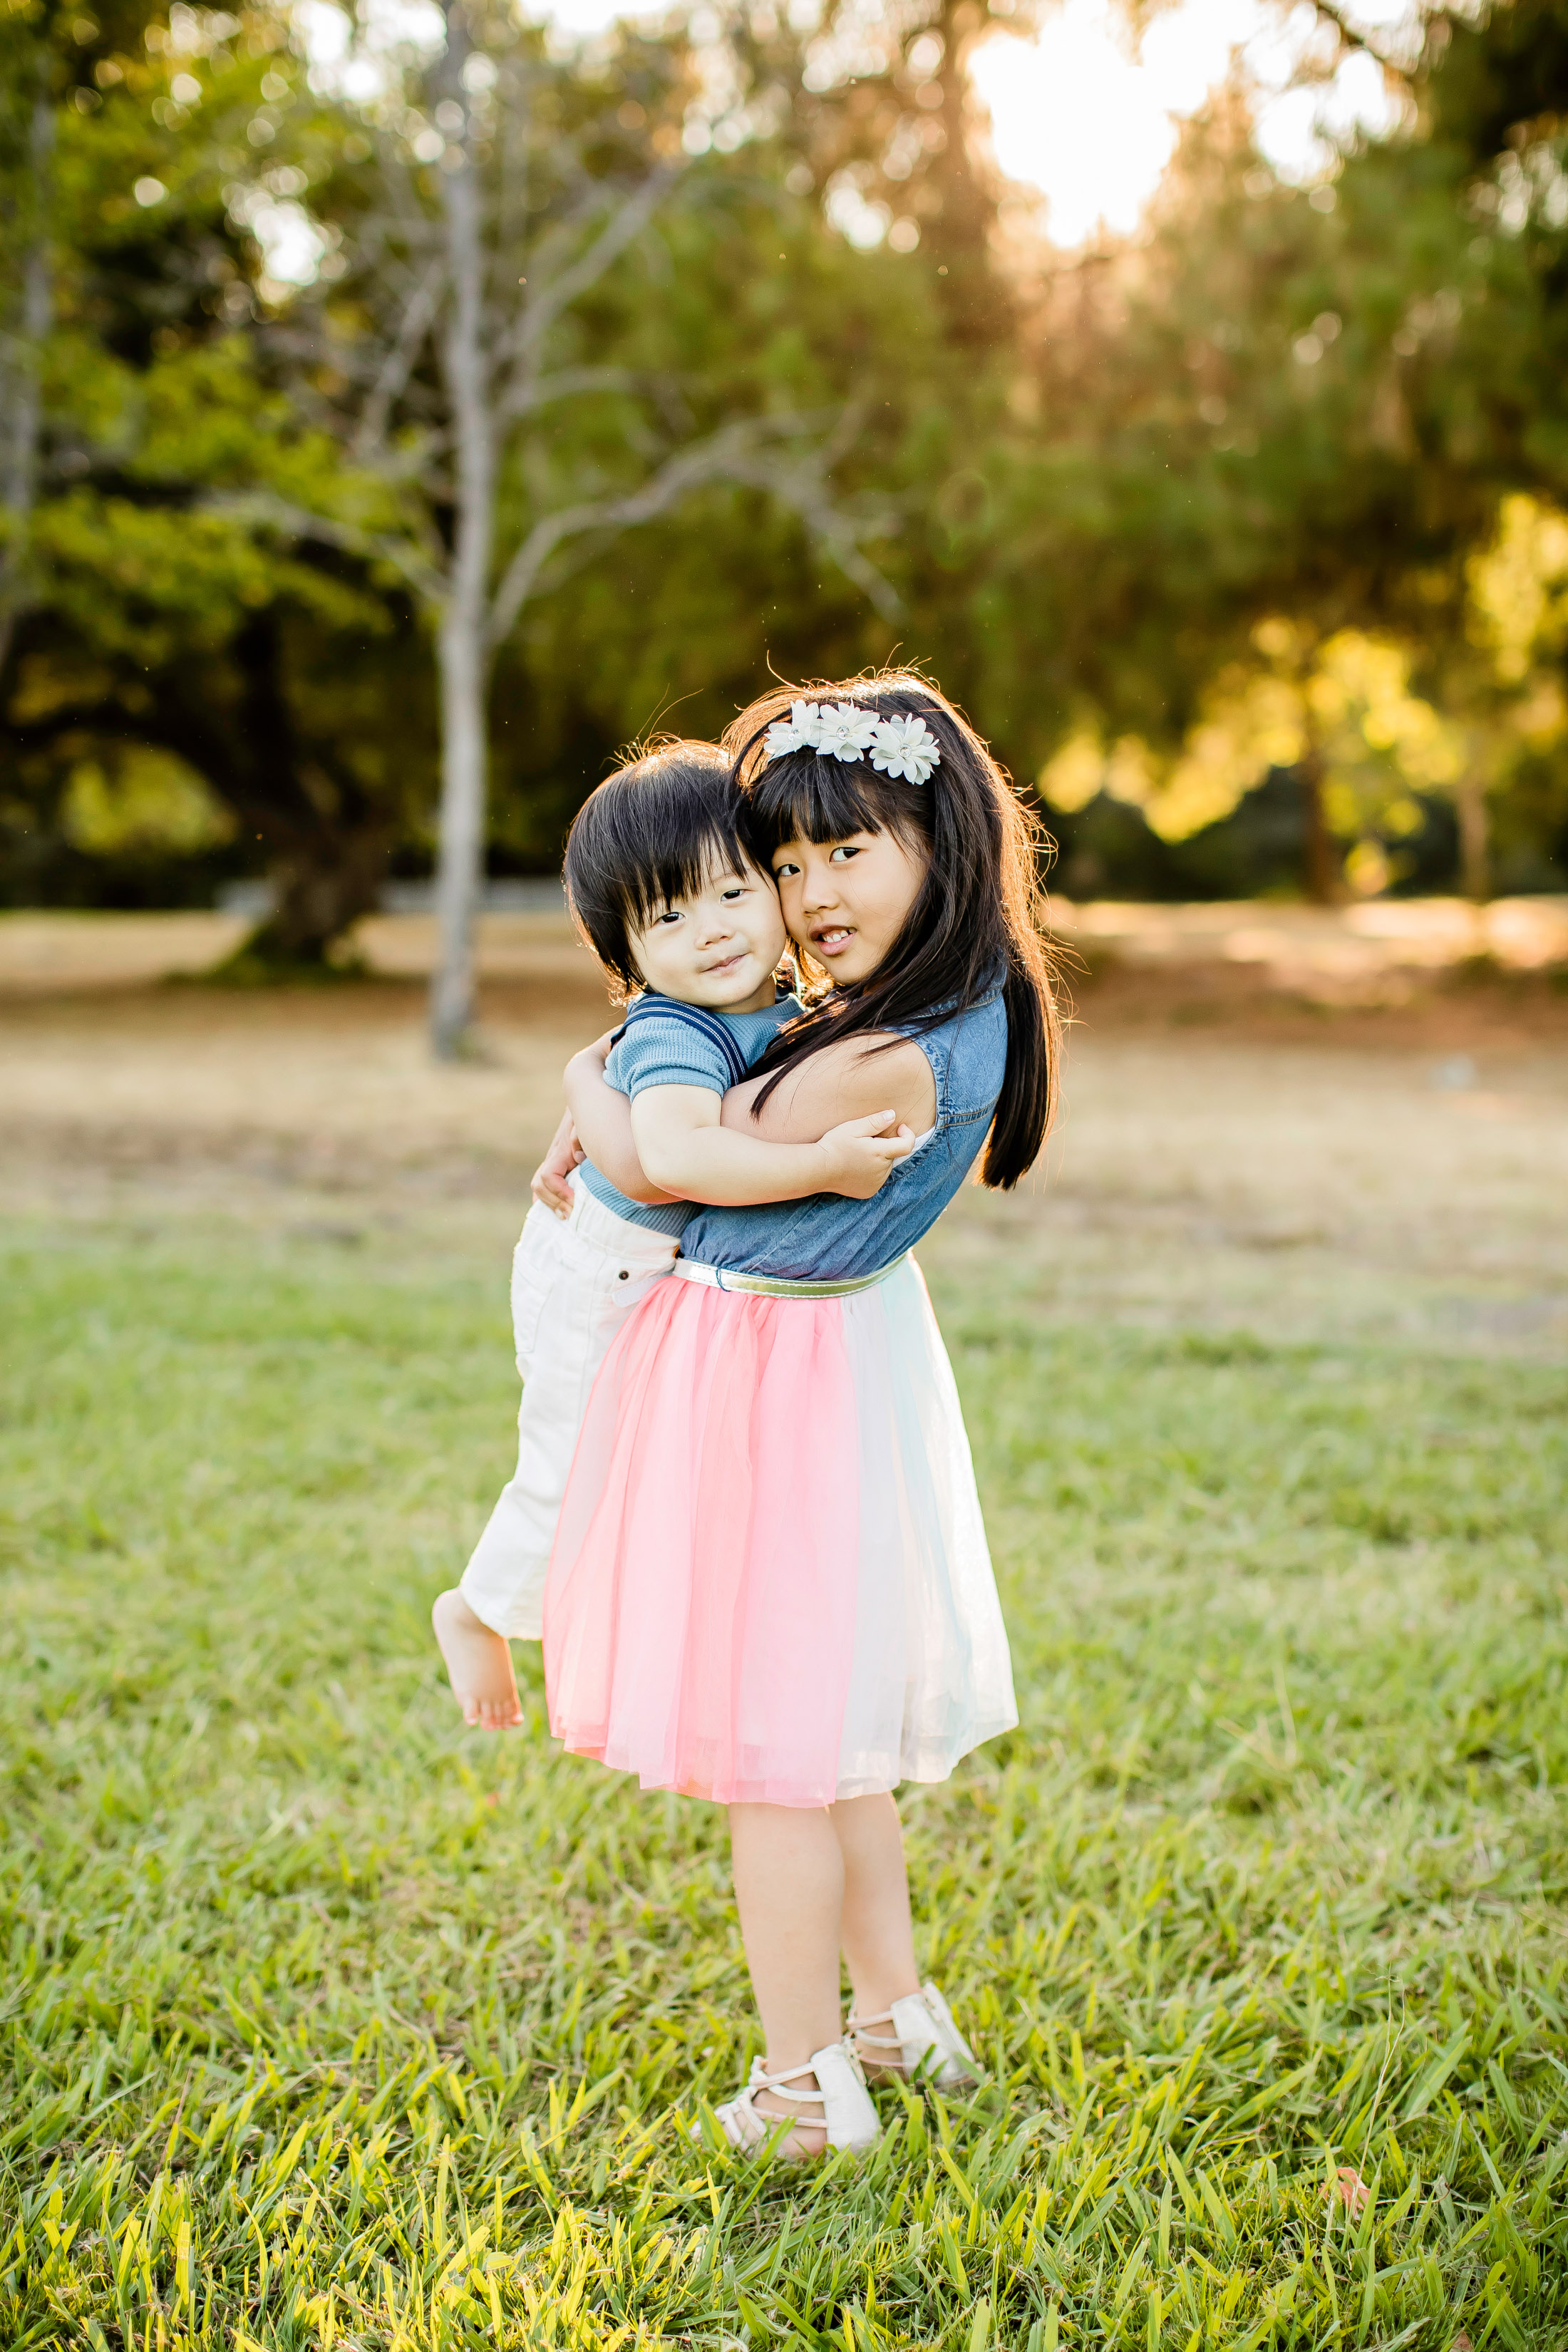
<point>663,1043</point>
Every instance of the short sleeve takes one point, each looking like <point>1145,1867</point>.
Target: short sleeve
<point>655,1053</point>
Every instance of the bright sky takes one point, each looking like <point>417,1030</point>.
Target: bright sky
<point>1085,111</point>
<point>1091,118</point>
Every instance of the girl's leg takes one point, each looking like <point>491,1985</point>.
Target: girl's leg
<point>789,1888</point>
<point>878,1940</point>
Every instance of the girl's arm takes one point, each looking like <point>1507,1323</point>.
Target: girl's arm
<point>550,1186</point>
<point>842,1082</point>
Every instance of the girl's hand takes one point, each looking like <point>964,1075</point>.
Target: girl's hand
<point>862,1151</point>
<point>549,1186</point>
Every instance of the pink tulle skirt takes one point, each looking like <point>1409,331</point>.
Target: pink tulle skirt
<point>770,1580</point>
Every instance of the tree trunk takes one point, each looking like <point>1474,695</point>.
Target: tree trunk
<point>1321,856</point>
<point>21,486</point>
<point>460,871</point>
<point>1475,840</point>
<point>322,888</point>
<point>465,654</point>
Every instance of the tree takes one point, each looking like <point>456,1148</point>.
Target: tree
<point>487,360</point>
<point>142,612</point>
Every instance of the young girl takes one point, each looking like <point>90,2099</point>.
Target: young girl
<point>770,1585</point>
<point>681,920</point>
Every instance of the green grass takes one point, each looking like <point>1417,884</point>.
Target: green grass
<point>327,2023</point>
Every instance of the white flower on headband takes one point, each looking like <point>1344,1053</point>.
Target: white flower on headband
<point>907,748</point>
<point>843,731</point>
<point>798,732</point>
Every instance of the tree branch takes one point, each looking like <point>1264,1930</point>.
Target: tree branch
<point>703,461</point>
<point>418,316</point>
<point>423,576</point>
<point>538,315</point>
<point>737,453</point>
<point>803,488</point>
<point>527,396</point>
<point>1330,12</point>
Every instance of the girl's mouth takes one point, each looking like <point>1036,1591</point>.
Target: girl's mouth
<point>836,937</point>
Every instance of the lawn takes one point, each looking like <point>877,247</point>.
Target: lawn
<point>328,2023</point>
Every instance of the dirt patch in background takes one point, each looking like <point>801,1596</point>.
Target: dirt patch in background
<point>1230,1152</point>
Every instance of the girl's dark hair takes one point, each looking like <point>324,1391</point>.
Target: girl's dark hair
<point>975,919</point>
<point>652,831</point>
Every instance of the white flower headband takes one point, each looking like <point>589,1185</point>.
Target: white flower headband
<point>842,730</point>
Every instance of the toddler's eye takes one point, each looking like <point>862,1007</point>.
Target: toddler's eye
<point>670,915</point>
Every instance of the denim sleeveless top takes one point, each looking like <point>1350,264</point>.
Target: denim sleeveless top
<point>829,1239</point>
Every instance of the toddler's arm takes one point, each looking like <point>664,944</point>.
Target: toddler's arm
<point>669,1143</point>
<point>602,1119</point>
<point>682,1146</point>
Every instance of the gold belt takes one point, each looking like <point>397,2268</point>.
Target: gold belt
<point>769,1286</point>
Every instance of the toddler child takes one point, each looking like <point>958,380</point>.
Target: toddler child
<point>683,921</point>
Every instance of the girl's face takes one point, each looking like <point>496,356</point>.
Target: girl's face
<point>847,901</point>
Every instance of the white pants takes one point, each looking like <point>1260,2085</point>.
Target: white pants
<point>574,1281</point>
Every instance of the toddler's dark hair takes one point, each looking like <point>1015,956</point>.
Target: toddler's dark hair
<point>976,920</point>
<point>652,831</point>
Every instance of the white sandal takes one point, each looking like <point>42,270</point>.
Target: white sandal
<point>846,2113</point>
<point>927,2042</point>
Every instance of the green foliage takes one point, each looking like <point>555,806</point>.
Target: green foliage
<point>156,609</point>
<point>329,2023</point>
<point>1097,476</point>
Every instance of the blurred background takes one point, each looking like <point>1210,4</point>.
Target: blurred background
<point>404,409</point>
<point>1188,385</point>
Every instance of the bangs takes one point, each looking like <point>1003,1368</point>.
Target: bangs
<point>679,868</point>
<point>807,797</point>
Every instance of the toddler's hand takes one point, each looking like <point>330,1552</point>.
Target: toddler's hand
<point>549,1186</point>
<point>861,1153</point>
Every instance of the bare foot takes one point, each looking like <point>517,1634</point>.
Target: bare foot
<point>479,1663</point>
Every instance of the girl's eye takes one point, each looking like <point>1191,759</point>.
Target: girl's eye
<point>781,873</point>
<point>844,850</point>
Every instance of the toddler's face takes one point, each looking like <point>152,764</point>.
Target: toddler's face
<point>718,947</point>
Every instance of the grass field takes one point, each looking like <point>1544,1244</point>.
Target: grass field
<point>329,2024</point>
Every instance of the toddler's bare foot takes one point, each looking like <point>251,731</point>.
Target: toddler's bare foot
<point>479,1663</point>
